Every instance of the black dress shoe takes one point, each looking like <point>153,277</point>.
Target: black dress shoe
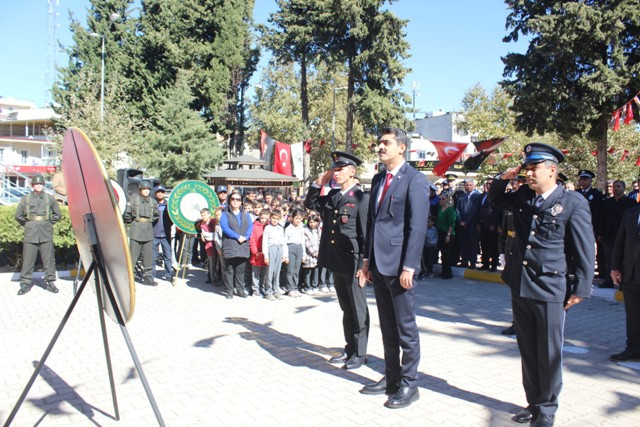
<point>379,388</point>
<point>403,398</point>
<point>524,416</point>
<point>544,420</point>
<point>242,294</point>
<point>484,267</point>
<point>624,356</point>
<point>51,287</point>
<point>355,362</point>
<point>229,295</point>
<point>340,359</point>
<point>511,330</point>
<point>493,268</point>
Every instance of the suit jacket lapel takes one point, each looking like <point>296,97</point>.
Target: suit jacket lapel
<point>394,183</point>
<point>552,199</point>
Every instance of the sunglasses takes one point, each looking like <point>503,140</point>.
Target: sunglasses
<point>235,199</point>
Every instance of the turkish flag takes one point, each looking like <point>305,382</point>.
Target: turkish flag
<point>448,154</point>
<point>628,116</point>
<point>625,153</point>
<point>483,149</point>
<point>282,159</point>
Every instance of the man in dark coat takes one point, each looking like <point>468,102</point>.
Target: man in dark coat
<point>467,208</point>
<point>140,213</point>
<point>37,212</point>
<point>548,222</point>
<point>489,220</point>
<point>613,209</point>
<point>594,198</point>
<point>344,218</point>
<point>396,231</point>
<point>625,272</point>
<point>162,235</point>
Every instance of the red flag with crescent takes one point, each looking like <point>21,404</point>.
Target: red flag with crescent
<point>282,159</point>
<point>448,154</point>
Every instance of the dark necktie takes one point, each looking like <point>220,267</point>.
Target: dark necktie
<point>539,201</point>
<point>387,183</point>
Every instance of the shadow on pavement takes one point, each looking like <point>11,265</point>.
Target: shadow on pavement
<point>51,405</point>
<point>296,352</point>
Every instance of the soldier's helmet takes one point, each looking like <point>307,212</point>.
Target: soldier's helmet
<point>143,185</point>
<point>38,179</point>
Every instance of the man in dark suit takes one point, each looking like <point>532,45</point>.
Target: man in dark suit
<point>396,230</point>
<point>613,209</point>
<point>489,220</point>
<point>548,221</point>
<point>594,198</point>
<point>625,271</point>
<point>467,208</point>
<point>344,217</point>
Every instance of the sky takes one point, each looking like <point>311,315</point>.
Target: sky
<point>454,45</point>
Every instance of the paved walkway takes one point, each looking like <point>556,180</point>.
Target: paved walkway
<point>212,361</point>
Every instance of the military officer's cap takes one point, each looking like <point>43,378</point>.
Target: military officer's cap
<point>38,179</point>
<point>586,174</point>
<point>159,188</point>
<point>221,189</point>
<point>342,159</point>
<point>143,185</point>
<point>562,177</point>
<point>450,177</point>
<point>537,152</point>
<point>521,175</point>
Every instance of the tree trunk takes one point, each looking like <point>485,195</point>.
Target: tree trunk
<point>350,89</point>
<point>601,148</point>
<point>304,100</point>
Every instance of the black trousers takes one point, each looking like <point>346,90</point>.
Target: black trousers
<point>446,250</point>
<point>631,293</point>
<point>539,332</point>
<point>146,249</point>
<point>355,313</point>
<point>399,329</point>
<point>489,247</point>
<point>234,274</point>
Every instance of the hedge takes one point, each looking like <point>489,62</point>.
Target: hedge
<point>12,234</point>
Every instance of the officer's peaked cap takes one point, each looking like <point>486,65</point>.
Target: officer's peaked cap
<point>341,159</point>
<point>537,152</point>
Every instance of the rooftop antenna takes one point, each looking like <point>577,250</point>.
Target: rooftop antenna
<point>51,65</point>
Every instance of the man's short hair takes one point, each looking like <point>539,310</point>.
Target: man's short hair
<point>401,136</point>
<point>621,182</point>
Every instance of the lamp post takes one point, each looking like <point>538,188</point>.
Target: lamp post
<point>101,77</point>
<point>333,120</point>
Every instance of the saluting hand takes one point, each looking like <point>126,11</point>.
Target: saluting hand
<point>324,178</point>
<point>510,173</point>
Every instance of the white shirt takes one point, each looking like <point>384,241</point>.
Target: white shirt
<point>393,172</point>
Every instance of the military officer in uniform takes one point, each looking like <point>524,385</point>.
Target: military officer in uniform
<point>140,213</point>
<point>548,221</point>
<point>37,212</point>
<point>344,218</point>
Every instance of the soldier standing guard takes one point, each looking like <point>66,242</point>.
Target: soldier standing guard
<point>140,213</point>
<point>37,212</point>
<point>344,216</point>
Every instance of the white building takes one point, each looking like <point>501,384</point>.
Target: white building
<point>25,149</point>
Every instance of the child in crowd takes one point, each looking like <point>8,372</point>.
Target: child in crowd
<point>274,251</point>
<point>429,251</point>
<point>258,267</point>
<point>310,261</point>
<point>294,235</point>
<point>207,231</point>
<point>257,209</point>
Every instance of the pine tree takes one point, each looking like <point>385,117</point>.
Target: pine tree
<point>582,63</point>
<point>180,145</point>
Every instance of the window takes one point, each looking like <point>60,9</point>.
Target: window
<point>1,155</point>
<point>422,154</point>
<point>24,154</point>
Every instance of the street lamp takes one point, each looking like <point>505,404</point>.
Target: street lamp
<point>102,77</point>
<point>333,120</point>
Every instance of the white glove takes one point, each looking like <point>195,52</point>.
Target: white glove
<point>502,261</point>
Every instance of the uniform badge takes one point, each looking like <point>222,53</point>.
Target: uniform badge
<point>350,193</point>
<point>527,148</point>
<point>344,219</point>
<point>590,197</point>
<point>556,210</point>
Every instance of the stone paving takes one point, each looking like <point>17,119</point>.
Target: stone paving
<point>212,361</point>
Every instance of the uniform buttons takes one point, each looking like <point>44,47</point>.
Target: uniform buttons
<point>336,211</point>
<point>535,217</point>
<point>333,241</point>
<point>555,272</point>
<point>333,231</point>
<point>334,221</point>
<point>528,246</point>
<point>524,263</point>
<point>533,232</point>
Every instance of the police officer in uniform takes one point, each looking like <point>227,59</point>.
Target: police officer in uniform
<point>344,218</point>
<point>548,221</point>
<point>140,213</point>
<point>594,198</point>
<point>37,212</point>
